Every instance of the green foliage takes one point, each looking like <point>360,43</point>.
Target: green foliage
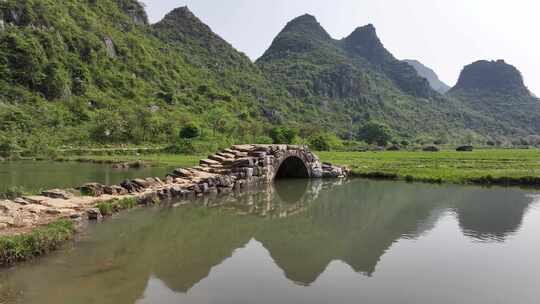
<point>8,147</point>
<point>94,72</point>
<point>190,131</point>
<point>41,240</point>
<point>375,133</point>
<point>324,142</point>
<point>283,135</point>
<point>108,208</point>
<point>13,193</point>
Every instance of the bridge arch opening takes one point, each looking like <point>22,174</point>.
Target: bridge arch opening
<point>292,167</point>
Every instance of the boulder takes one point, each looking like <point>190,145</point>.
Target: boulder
<point>92,189</point>
<point>465,149</point>
<point>21,201</point>
<point>36,199</point>
<point>142,183</point>
<point>57,193</point>
<point>7,220</point>
<point>431,149</point>
<point>115,190</point>
<point>9,207</point>
<point>94,214</point>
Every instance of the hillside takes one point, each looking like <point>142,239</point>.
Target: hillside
<point>90,72</point>
<point>497,90</point>
<point>430,75</point>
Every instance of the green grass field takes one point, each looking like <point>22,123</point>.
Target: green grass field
<point>487,166</point>
<point>501,166</point>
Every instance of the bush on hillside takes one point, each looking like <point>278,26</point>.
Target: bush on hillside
<point>283,135</point>
<point>190,131</point>
<point>375,133</point>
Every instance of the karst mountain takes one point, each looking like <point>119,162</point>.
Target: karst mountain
<point>98,72</point>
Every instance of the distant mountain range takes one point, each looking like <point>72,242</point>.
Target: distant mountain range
<point>430,75</point>
<point>98,72</point>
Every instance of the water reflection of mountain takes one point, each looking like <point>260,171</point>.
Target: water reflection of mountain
<point>303,231</point>
<point>491,215</point>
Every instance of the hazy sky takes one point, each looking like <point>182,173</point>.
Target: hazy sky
<point>444,35</point>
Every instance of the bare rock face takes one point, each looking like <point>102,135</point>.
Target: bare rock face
<point>496,76</point>
<point>135,10</point>
<point>110,47</point>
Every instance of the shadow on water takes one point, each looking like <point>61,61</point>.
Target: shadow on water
<point>304,225</point>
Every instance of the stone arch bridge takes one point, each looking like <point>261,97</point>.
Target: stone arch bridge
<point>269,162</point>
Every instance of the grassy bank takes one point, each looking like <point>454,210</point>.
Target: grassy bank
<point>489,166</point>
<point>38,242</point>
<point>486,166</point>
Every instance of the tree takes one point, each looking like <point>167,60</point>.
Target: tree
<point>375,133</point>
<point>220,120</point>
<point>190,131</point>
<point>283,135</point>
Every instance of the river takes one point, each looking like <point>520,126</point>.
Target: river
<point>302,241</point>
<point>34,176</point>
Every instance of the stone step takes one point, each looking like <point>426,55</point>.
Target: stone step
<point>236,153</point>
<point>208,162</point>
<point>226,155</point>
<point>217,158</point>
<point>244,148</point>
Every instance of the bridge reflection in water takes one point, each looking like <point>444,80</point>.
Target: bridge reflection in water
<point>300,226</point>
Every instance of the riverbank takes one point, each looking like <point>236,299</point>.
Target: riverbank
<point>519,167</point>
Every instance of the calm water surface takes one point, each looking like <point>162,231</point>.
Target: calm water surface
<point>42,175</point>
<point>299,242</point>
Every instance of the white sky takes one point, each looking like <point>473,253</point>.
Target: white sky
<point>443,34</point>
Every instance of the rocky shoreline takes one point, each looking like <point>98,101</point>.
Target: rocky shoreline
<point>230,170</point>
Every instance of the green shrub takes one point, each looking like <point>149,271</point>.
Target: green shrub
<point>190,131</point>
<point>13,193</point>
<point>106,208</point>
<point>375,133</point>
<point>283,135</point>
<point>324,142</point>
<point>40,241</point>
<point>263,140</point>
